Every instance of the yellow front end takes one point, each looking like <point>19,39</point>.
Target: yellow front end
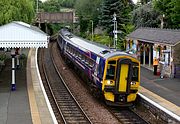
<point>120,80</point>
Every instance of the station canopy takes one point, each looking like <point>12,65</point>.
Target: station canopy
<point>22,35</point>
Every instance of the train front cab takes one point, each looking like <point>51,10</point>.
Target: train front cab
<point>121,81</point>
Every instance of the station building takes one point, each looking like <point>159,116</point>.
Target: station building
<point>148,44</point>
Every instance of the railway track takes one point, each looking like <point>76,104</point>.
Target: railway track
<point>66,104</point>
<point>127,116</point>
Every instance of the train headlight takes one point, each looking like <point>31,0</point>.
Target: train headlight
<point>109,82</point>
<point>133,83</point>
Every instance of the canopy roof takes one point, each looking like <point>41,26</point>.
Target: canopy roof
<point>22,35</point>
<point>156,35</point>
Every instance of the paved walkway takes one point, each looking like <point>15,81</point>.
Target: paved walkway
<point>27,104</point>
<point>14,105</point>
<point>38,104</point>
<point>166,88</point>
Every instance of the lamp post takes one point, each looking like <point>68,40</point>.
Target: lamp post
<point>92,30</point>
<point>37,11</point>
<point>162,21</point>
<point>37,7</point>
<point>115,30</point>
<point>13,83</point>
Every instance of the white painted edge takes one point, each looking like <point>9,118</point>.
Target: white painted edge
<point>160,107</point>
<point>44,92</point>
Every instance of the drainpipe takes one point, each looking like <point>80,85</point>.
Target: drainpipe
<point>171,63</point>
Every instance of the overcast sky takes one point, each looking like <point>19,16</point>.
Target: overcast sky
<point>135,1</point>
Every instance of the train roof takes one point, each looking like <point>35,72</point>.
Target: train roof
<point>94,47</point>
<point>88,46</point>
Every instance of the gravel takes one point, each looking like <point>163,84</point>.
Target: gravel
<point>93,107</point>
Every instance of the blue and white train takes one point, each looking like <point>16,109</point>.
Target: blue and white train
<point>115,74</point>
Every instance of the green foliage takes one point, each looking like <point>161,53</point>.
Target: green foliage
<point>16,10</point>
<point>68,3</point>
<point>145,16</point>
<point>144,1</point>
<point>171,10</point>
<point>122,9</point>
<point>126,29</point>
<point>56,5</point>
<point>22,56</point>
<point>102,39</point>
<point>51,6</point>
<point>87,11</point>
<point>175,14</point>
<point>2,56</point>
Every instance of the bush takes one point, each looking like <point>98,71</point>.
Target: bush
<point>2,57</point>
<point>102,39</point>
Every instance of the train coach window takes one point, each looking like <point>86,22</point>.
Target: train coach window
<point>83,58</point>
<point>91,63</point>
<point>67,49</point>
<point>71,50</point>
<point>135,73</point>
<point>110,72</point>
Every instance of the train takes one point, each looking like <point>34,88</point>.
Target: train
<point>111,73</point>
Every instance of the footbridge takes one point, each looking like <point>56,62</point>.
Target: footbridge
<point>56,17</point>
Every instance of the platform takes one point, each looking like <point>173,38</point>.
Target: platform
<point>41,110</point>
<point>165,92</point>
<point>27,104</point>
<point>14,105</point>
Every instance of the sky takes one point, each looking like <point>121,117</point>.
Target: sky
<point>135,1</point>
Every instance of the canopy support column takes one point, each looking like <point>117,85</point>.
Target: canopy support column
<point>150,56</point>
<point>144,57</point>
<point>13,84</point>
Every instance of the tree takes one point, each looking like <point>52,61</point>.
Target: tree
<point>68,3</point>
<point>171,10</point>
<point>51,6</point>
<point>145,16</point>
<point>87,11</point>
<point>122,10</point>
<point>144,1</point>
<point>19,10</point>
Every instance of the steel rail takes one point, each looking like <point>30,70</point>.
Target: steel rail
<point>126,115</point>
<point>48,85</point>
<point>68,106</point>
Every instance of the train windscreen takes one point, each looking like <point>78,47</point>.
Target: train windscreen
<point>135,73</point>
<point>111,70</point>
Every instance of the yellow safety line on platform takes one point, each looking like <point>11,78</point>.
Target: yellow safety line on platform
<point>33,105</point>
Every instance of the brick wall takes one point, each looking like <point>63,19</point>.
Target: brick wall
<point>177,54</point>
<point>177,60</point>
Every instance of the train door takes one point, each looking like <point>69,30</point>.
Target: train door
<point>95,73</point>
<point>123,77</point>
<point>96,66</point>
